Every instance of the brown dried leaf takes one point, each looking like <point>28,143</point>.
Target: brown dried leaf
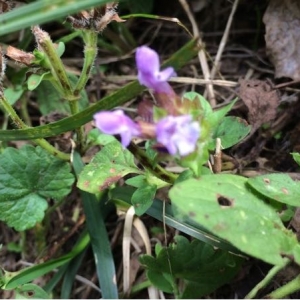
<point>20,56</point>
<point>261,100</point>
<point>282,20</point>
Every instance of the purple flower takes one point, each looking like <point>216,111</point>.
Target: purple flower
<point>116,122</point>
<point>178,134</point>
<point>149,73</point>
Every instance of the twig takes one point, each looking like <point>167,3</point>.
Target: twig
<point>201,53</point>
<point>223,40</point>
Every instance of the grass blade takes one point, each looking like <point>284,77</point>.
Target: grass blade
<point>95,214</point>
<point>70,275</point>
<point>131,90</point>
<point>42,11</point>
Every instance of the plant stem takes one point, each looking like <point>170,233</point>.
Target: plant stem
<point>267,279</point>
<point>21,125</point>
<point>90,39</point>
<point>55,64</point>
<point>157,170</point>
<point>286,290</point>
<point>74,107</point>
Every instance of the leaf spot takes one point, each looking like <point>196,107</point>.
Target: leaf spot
<point>243,215</point>
<point>224,201</point>
<point>244,239</point>
<point>192,214</point>
<point>285,191</point>
<point>112,170</point>
<point>267,180</point>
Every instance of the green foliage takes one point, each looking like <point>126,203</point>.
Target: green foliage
<point>50,100</point>
<point>231,130</point>
<point>199,267</point>
<point>31,291</point>
<point>28,177</point>
<point>106,168</point>
<point>225,206</point>
<point>142,198</point>
<point>279,187</point>
<point>296,157</point>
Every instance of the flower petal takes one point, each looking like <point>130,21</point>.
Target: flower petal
<point>147,60</point>
<point>178,134</point>
<point>165,74</point>
<point>149,74</point>
<point>116,122</point>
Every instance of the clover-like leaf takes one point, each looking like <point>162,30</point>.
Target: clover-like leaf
<point>223,204</point>
<point>108,166</point>
<point>28,177</point>
<point>201,268</point>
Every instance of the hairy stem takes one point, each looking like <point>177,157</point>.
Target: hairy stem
<point>21,125</point>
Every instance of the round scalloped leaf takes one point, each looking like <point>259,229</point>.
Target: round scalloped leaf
<point>28,177</point>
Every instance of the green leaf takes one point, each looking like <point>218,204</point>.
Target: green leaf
<point>50,100</point>
<point>279,187</point>
<point>34,80</point>
<point>108,166</point>
<point>31,291</point>
<point>218,115</point>
<point>205,105</point>
<point>201,268</point>
<point>28,176</point>
<point>160,281</point>
<point>224,205</point>
<point>142,198</point>
<point>136,181</point>
<point>60,49</point>
<point>296,157</point>
<point>231,130</point>
<point>98,138</point>
<point>13,94</point>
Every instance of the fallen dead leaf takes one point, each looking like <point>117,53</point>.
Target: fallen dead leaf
<point>261,100</point>
<point>282,20</point>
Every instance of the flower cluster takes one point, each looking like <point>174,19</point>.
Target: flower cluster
<point>177,134</point>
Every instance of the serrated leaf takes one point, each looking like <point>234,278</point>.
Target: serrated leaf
<point>160,281</point>
<point>142,198</point>
<point>279,187</point>
<point>197,263</point>
<point>108,166</point>
<point>224,205</point>
<point>28,176</point>
<point>231,130</point>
